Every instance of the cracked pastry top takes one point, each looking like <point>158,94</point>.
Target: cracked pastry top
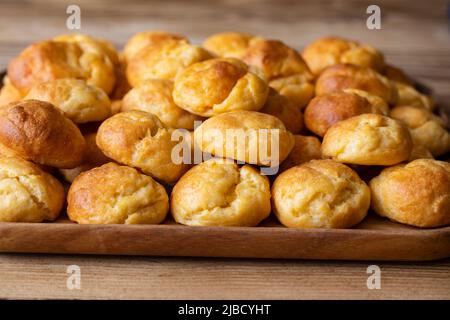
<point>328,51</point>
<point>57,59</point>
<point>77,100</point>
<point>320,194</point>
<point>139,139</point>
<point>219,85</point>
<point>114,194</point>
<point>155,96</point>
<point>427,129</point>
<point>29,194</point>
<point>220,193</point>
<point>163,61</point>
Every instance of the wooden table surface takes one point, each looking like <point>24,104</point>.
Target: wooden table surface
<point>414,36</point>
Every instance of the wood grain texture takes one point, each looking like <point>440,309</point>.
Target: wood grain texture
<point>414,36</point>
<point>44,276</point>
<point>373,239</point>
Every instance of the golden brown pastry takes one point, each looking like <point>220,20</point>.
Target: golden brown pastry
<point>408,96</point>
<point>139,139</point>
<point>426,128</point>
<point>93,157</point>
<point>77,100</point>
<point>155,96</point>
<point>347,76</point>
<point>306,148</point>
<point>37,131</point>
<point>320,194</point>
<point>328,51</point>
<point>417,193</point>
<point>50,60</point>
<point>368,139</point>
<point>114,194</point>
<point>279,64</point>
<point>163,61</point>
<point>274,59</point>
<point>324,111</point>
<point>147,39</point>
<point>220,193</point>
<point>9,93</point>
<point>219,85</point>
<point>297,88</point>
<point>284,109</point>
<point>28,194</point>
<point>91,45</point>
<point>122,86</point>
<point>375,101</point>
<point>283,67</point>
<point>228,44</point>
<point>419,151</point>
<point>116,106</point>
<point>397,75</point>
<point>238,135</point>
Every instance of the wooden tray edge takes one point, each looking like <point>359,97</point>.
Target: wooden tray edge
<point>259,242</point>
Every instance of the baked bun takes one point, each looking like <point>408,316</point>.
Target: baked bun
<point>324,111</point>
<point>368,139</point>
<point>347,76</point>
<point>426,128</point>
<point>228,44</point>
<point>122,86</point>
<point>163,61</point>
<point>29,194</point>
<point>91,45</point>
<point>328,51</point>
<point>419,151</point>
<point>220,193</point>
<point>93,157</point>
<point>219,85</point>
<point>50,60</point>
<point>9,93</point>
<point>297,88</point>
<point>408,96</point>
<point>397,75</point>
<point>139,139</point>
<point>417,193</point>
<point>320,194</point>
<point>37,131</point>
<point>238,135</point>
<point>283,67</point>
<point>114,194</point>
<point>147,39</point>
<point>284,109</point>
<point>77,100</point>
<point>155,96</point>
<point>274,59</point>
<point>305,148</point>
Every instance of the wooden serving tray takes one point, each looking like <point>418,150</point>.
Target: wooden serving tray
<point>374,239</point>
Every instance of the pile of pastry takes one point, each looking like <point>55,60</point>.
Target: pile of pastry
<point>352,133</point>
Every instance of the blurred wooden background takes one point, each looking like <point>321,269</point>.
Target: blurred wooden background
<point>414,35</point>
